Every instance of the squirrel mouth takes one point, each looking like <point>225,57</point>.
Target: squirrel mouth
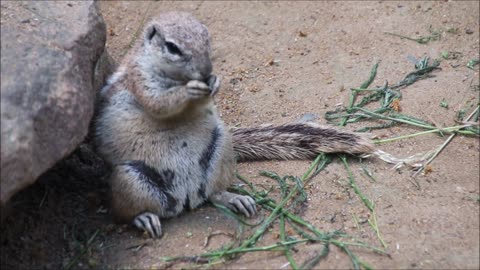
<point>199,77</point>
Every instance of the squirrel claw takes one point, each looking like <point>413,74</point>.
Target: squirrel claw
<point>214,84</point>
<point>198,89</point>
<point>150,223</point>
<point>244,205</point>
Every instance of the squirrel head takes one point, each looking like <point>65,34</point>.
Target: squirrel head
<point>178,46</point>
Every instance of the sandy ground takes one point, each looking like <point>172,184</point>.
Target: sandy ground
<point>279,61</point>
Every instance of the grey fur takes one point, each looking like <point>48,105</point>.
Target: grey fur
<point>157,125</point>
<point>295,141</point>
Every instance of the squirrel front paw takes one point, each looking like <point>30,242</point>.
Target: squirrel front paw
<point>214,84</point>
<point>198,89</point>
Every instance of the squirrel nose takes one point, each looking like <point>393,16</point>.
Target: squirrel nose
<point>197,76</point>
<point>206,70</point>
<point>201,72</point>
<point>200,76</point>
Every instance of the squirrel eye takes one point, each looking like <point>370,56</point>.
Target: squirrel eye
<point>172,48</point>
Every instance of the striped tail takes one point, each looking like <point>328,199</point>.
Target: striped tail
<point>296,141</point>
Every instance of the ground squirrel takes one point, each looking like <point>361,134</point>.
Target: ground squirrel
<point>170,151</point>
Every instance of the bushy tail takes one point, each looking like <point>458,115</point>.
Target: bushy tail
<point>296,141</point>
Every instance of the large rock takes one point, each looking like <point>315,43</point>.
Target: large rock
<point>49,53</point>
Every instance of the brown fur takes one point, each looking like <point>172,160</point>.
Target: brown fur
<point>170,151</point>
<point>295,141</point>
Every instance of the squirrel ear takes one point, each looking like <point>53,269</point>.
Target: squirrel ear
<point>151,32</point>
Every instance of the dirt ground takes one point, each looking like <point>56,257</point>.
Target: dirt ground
<point>279,61</point>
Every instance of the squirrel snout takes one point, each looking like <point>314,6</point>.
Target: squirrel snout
<point>203,72</point>
<point>200,76</point>
<point>197,76</point>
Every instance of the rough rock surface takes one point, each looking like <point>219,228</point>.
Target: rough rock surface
<point>49,53</point>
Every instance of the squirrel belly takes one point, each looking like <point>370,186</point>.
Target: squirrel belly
<point>166,166</point>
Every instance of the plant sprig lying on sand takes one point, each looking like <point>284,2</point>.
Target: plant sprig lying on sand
<point>292,188</point>
<point>389,98</point>
<point>292,192</point>
<point>434,35</point>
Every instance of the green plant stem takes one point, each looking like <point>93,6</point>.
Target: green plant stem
<point>322,236</point>
<point>277,246</point>
<point>357,191</point>
<point>244,180</point>
<point>365,200</point>
<point>353,258</point>
<point>370,79</point>
<point>465,132</point>
<point>365,265</point>
<point>287,252</point>
<point>366,90</point>
<point>279,207</point>
<point>313,262</point>
<point>447,129</point>
<point>374,226</point>
<point>394,119</point>
<point>264,248</point>
<point>420,40</point>
<point>447,141</point>
<point>353,96</point>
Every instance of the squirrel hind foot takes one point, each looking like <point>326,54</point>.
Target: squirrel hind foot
<point>150,223</point>
<point>235,202</point>
<point>138,188</point>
